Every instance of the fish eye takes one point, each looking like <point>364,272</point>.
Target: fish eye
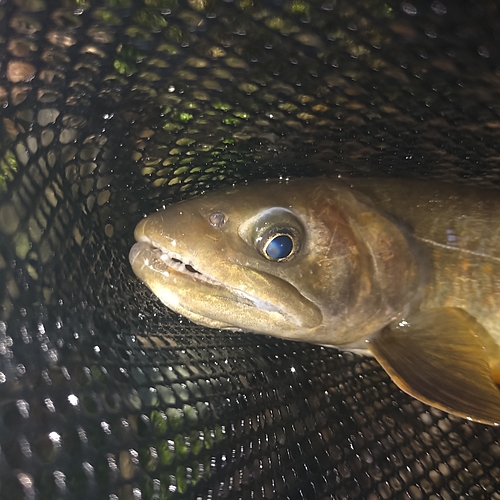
<point>278,246</point>
<point>276,233</point>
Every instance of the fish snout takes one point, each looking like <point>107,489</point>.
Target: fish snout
<point>139,231</point>
<point>136,250</point>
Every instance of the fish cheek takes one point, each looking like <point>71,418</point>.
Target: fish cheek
<point>336,264</point>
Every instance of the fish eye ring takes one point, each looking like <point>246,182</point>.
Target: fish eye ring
<point>279,246</point>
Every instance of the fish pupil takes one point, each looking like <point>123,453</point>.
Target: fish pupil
<point>279,247</point>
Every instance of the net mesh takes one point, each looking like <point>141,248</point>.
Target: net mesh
<point>114,108</point>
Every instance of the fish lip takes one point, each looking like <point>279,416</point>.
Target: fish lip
<point>177,263</point>
<point>172,260</point>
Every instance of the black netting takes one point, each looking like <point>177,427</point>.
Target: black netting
<point>113,108</point>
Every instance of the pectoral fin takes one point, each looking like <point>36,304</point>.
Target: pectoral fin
<point>436,356</point>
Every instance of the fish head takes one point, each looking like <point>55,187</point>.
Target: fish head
<point>289,260</point>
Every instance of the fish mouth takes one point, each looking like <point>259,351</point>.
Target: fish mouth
<point>243,299</point>
<point>166,260</point>
<point>171,264</point>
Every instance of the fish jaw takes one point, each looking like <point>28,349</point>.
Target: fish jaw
<point>180,283</point>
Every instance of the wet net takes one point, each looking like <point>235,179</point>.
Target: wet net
<point>111,109</point>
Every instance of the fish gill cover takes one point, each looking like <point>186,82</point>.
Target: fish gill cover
<point>111,109</point>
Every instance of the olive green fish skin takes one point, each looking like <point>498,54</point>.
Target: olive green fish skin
<point>406,271</point>
<point>354,272</point>
<point>371,250</point>
<point>459,227</point>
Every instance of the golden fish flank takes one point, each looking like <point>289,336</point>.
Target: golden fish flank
<point>394,269</point>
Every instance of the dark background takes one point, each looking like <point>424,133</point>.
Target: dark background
<point>111,109</point>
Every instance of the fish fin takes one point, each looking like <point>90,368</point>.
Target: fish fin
<point>436,356</point>
<point>495,371</point>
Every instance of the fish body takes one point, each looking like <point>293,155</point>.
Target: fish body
<point>458,229</point>
<point>406,271</point>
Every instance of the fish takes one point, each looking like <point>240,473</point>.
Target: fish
<point>405,271</point>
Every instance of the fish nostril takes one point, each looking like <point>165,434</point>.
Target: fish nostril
<point>217,219</point>
<point>177,260</point>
